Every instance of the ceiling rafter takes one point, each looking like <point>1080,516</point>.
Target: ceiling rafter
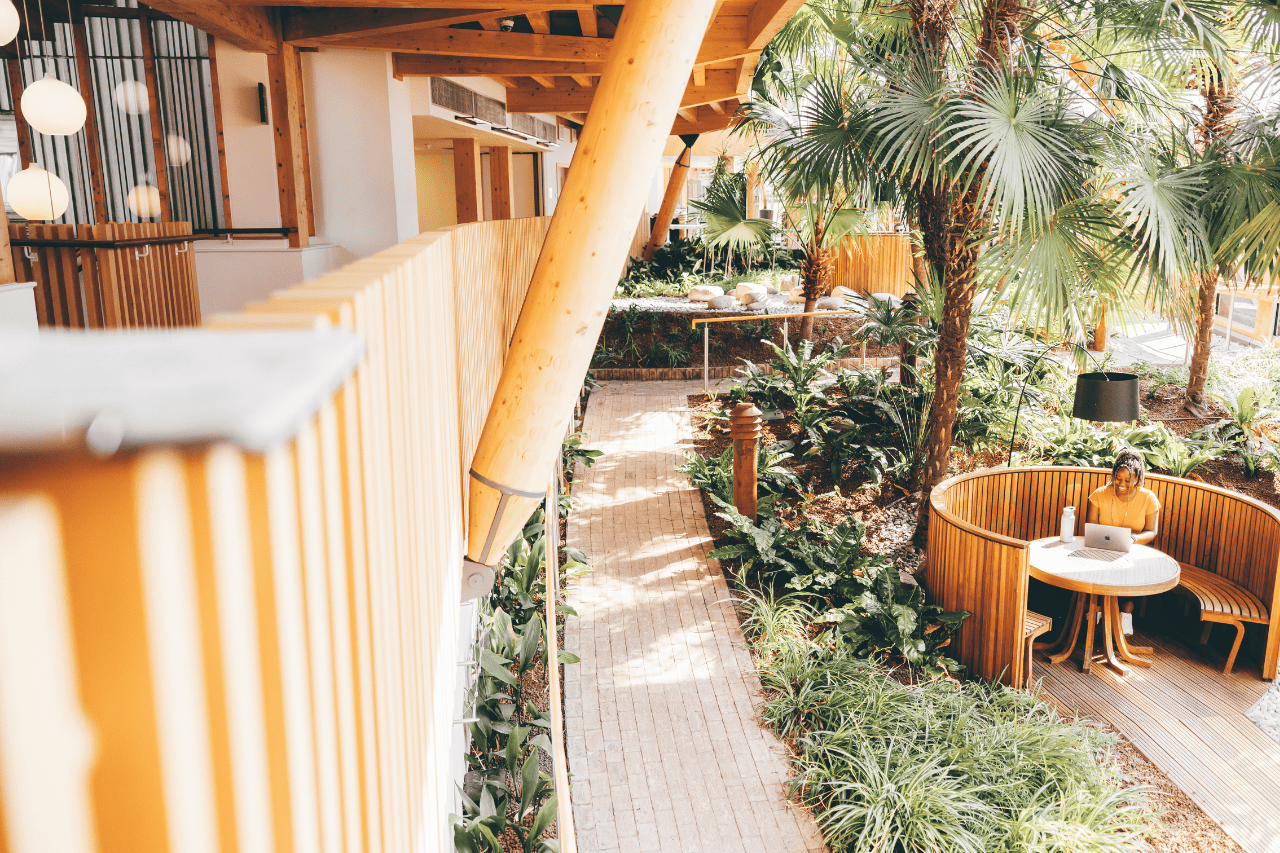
<point>588,24</point>
<point>249,27</point>
<point>318,26</point>
<point>448,41</point>
<point>427,65</point>
<point>565,98</point>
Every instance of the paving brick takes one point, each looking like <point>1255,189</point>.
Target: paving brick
<point>666,745</point>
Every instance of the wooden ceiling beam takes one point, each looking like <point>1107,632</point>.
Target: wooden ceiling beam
<point>426,65</point>
<point>588,24</point>
<point>446,41</point>
<point>586,81</point>
<point>699,76</point>
<point>248,27</point>
<point>766,18</point>
<point>539,22</point>
<point>399,4</point>
<point>706,120</point>
<point>321,26</point>
<point>745,72</point>
<point>544,82</point>
<point>576,98</point>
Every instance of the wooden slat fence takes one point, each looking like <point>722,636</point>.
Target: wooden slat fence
<point>151,285</point>
<point>265,644</point>
<point>876,263</point>
<point>982,522</point>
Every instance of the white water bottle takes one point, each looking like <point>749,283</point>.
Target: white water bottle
<point>1068,530</point>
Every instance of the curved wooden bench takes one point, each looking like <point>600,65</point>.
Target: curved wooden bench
<point>1223,602</point>
<point>981,524</point>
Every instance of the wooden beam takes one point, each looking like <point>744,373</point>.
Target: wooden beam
<point>539,22</point>
<point>153,100</point>
<point>249,27</point>
<point>506,82</point>
<point>587,23</point>
<point>286,124</point>
<point>766,18</point>
<point>222,142</point>
<point>699,75</point>
<point>319,26</point>
<point>424,65</point>
<point>583,80</point>
<point>96,180</point>
<point>675,185</point>
<point>521,5</point>
<point>586,245</point>
<point>725,39</point>
<point>449,41</point>
<point>688,115</point>
<point>502,198</point>
<point>576,98</point>
<point>468,188</point>
<point>490,24</point>
<point>706,120</point>
<point>746,71</point>
<point>8,273</point>
<point>15,98</point>
<point>717,106</point>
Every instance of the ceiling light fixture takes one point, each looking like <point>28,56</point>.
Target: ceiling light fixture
<point>471,120</point>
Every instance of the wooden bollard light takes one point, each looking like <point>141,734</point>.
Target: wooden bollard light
<point>744,429</point>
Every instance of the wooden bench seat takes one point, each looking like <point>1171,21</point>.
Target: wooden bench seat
<point>1035,624</point>
<point>1223,601</point>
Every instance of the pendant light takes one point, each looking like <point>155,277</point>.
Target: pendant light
<point>144,201</point>
<point>178,149</point>
<point>9,21</point>
<point>53,108</point>
<point>131,98</point>
<point>35,194</point>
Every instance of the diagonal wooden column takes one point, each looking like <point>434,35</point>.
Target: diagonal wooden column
<point>468,188</point>
<point>501,196</point>
<point>635,104</point>
<point>286,118</point>
<point>662,224</point>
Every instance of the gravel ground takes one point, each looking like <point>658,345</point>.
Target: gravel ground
<point>1266,712</point>
<point>775,304</point>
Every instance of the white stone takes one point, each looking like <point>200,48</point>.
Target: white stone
<point>796,295</point>
<point>829,303</point>
<point>771,290</point>
<point>705,292</point>
<point>748,287</point>
<point>720,302</point>
<point>839,292</point>
<point>750,297</point>
<point>894,301</point>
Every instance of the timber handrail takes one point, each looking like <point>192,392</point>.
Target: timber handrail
<point>706,332</point>
<point>983,521</point>
<point>108,244</point>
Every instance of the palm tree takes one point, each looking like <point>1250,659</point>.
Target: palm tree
<point>995,123</point>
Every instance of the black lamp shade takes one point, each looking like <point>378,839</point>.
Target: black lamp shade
<point>1106,397</point>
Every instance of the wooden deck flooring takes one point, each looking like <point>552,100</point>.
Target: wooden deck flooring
<point>1188,719</point>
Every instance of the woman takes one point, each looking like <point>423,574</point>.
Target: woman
<point>1124,502</point>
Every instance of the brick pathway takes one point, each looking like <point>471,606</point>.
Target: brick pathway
<point>663,743</point>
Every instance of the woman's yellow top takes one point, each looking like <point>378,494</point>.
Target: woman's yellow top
<point>1117,513</point>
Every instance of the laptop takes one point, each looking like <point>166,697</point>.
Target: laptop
<point>1108,538</point>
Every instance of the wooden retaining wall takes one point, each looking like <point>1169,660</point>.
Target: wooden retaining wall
<point>981,524</point>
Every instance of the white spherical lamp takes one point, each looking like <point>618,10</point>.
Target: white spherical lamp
<point>35,194</point>
<point>53,108</point>
<point>144,201</point>
<point>179,150</point>
<point>9,21</point>
<point>131,97</point>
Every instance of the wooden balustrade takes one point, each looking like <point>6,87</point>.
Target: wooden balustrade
<point>116,275</point>
<point>981,524</point>
<point>265,641</point>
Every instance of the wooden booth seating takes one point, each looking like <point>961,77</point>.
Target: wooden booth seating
<point>1221,601</point>
<point>1034,625</point>
<point>982,523</point>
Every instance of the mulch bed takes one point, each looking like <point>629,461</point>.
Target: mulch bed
<point>731,343</point>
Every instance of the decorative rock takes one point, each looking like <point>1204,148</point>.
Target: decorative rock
<point>724,301</point>
<point>771,290</point>
<point>841,293</point>
<point>748,287</point>
<point>796,295</point>
<point>893,301</point>
<point>788,283</point>
<point>829,303</point>
<point>750,297</point>
<point>705,292</point>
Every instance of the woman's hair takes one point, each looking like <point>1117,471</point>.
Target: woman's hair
<point>1131,461</point>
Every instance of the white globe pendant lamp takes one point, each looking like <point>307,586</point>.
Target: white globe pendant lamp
<point>35,194</point>
<point>144,201</point>
<point>131,98</point>
<point>179,150</point>
<point>9,21</point>
<point>53,108</point>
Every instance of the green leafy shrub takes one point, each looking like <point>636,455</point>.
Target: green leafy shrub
<point>715,473</point>
<point>891,619</point>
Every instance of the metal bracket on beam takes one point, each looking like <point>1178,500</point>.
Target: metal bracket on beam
<point>507,493</point>
<point>477,580</point>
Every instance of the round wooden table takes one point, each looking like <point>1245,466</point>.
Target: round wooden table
<point>1097,577</point>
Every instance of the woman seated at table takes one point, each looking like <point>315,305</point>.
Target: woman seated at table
<point>1124,502</point>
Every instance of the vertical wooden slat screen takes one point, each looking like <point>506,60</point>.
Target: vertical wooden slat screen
<point>876,263</point>
<point>265,642</point>
<point>151,286</point>
<point>977,515</point>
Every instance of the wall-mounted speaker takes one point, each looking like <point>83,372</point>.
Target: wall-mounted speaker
<point>262,103</point>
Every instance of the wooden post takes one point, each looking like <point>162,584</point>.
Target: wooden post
<point>91,138</point>
<point>753,181</point>
<point>501,196</point>
<point>20,123</point>
<point>222,142</point>
<point>662,224</point>
<point>466,179</point>
<point>8,274</point>
<point>1100,329</point>
<point>154,118</point>
<point>621,144</point>
<point>744,429</point>
<point>286,121</point>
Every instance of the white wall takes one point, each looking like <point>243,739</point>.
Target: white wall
<point>437,205</point>
<point>250,145</point>
<point>362,160</point>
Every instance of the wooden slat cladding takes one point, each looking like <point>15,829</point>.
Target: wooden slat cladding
<point>876,263</point>
<point>265,644</point>
<point>1219,531</point>
<point>79,287</point>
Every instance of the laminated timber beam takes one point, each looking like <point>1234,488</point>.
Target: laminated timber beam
<point>250,27</point>
<point>447,41</point>
<point>586,245</point>
<point>284,70</point>
<point>675,185</point>
<point>315,27</point>
<point>577,98</point>
<point>706,120</point>
<point>424,65</point>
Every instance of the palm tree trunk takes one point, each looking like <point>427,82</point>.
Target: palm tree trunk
<point>1194,402</point>
<point>815,271</point>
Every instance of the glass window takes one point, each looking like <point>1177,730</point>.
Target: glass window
<point>1246,312</point>
<point>1220,305</point>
